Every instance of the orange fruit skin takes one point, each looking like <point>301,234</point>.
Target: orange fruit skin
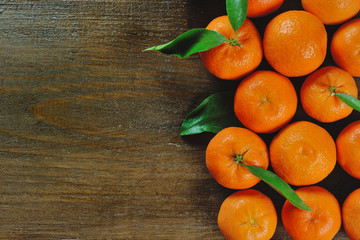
<point>345,47</point>
<point>221,152</point>
<point>260,8</point>
<point>303,153</point>
<point>351,215</point>
<point>295,43</point>
<point>332,12</point>
<point>265,101</point>
<point>322,223</point>
<point>233,62</point>
<point>247,214</point>
<point>348,149</point>
<point>317,99</point>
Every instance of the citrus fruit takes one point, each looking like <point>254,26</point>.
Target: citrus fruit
<point>322,223</point>
<point>229,61</point>
<point>318,94</point>
<point>260,8</point>
<point>348,149</point>
<point>332,11</point>
<point>303,153</point>
<point>345,47</point>
<point>265,101</point>
<point>295,43</point>
<point>231,147</point>
<point>247,214</point>
<point>351,215</point>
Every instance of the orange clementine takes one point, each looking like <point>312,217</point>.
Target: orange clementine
<point>231,147</point>
<point>265,101</point>
<point>260,8</point>
<point>247,215</point>
<point>322,223</point>
<point>295,43</point>
<point>351,215</point>
<point>318,94</point>
<point>303,153</point>
<point>348,149</point>
<point>345,47</point>
<point>229,61</point>
<point>332,11</point>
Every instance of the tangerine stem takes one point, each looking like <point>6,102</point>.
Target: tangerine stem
<point>252,221</point>
<point>332,90</point>
<point>234,42</point>
<point>236,38</point>
<point>238,159</point>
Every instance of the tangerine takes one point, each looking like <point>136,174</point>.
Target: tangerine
<point>260,8</point>
<point>345,47</point>
<point>236,57</point>
<point>332,11</point>
<point>351,215</point>
<point>348,149</point>
<point>318,94</point>
<point>265,101</point>
<point>230,148</point>
<point>322,223</point>
<point>303,153</point>
<point>295,43</point>
<point>247,215</point>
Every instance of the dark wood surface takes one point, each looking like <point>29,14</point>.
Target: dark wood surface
<point>89,124</point>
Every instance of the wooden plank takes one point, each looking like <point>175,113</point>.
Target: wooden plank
<point>89,124</point>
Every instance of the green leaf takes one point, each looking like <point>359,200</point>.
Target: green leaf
<point>236,11</point>
<point>279,185</point>
<point>349,100</point>
<point>192,41</point>
<point>212,115</point>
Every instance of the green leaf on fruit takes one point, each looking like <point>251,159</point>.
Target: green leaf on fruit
<point>236,11</point>
<point>212,115</point>
<point>192,41</point>
<point>349,100</point>
<point>279,185</point>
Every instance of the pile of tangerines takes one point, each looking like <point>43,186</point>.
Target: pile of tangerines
<point>302,153</point>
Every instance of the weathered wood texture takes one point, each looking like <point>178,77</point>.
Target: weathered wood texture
<point>89,143</point>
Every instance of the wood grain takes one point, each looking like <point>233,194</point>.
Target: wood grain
<point>89,143</point>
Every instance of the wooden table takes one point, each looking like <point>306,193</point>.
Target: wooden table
<point>89,124</point>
